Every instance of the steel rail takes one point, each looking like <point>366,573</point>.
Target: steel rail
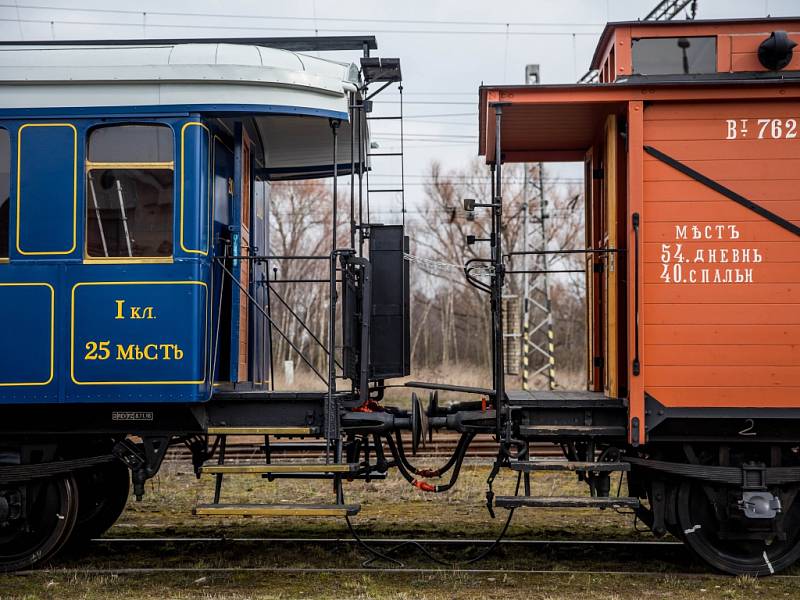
<point>350,540</point>
<point>363,570</point>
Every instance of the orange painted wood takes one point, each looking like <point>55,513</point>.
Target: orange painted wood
<point>774,252</point>
<point>635,194</point>
<point>726,397</point>
<point>749,230</point>
<point>730,108</point>
<point>690,191</point>
<point>723,376</point>
<point>723,355</point>
<point>733,342</point>
<point>750,149</point>
<point>732,170</point>
<point>714,129</point>
<point>748,61</point>
<point>723,53</point>
<point>715,210</point>
<point>724,314</point>
<point>761,272</point>
<point>754,293</point>
<point>722,334</point>
<point>750,42</point>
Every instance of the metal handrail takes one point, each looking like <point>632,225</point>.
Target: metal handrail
<point>269,318</point>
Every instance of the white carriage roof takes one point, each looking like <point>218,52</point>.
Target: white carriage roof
<point>176,74</point>
<point>284,92</point>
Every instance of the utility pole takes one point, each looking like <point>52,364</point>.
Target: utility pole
<point>537,318</point>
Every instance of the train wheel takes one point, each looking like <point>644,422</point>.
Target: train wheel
<point>50,516</point>
<point>702,524</point>
<point>104,493</point>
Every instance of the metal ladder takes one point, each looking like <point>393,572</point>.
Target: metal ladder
<point>386,71</point>
<point>269,470</point>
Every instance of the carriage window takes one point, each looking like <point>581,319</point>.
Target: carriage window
<point>673,56</point>
<point>129,192</point>
<point>5,191</point>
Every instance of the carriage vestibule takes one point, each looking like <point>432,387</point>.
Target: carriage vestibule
<point>5,191</point>
<point>129,192</point>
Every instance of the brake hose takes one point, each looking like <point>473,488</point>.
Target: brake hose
<point>465,438</point>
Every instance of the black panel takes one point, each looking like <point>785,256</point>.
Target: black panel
<point>390,333</point>
<point>351,324</point>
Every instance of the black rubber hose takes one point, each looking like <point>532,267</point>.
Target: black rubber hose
<point>422,485</point>
<point>377,554</point>
<point>465,438</point>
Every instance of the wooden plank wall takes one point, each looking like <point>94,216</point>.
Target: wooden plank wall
<point>721,312</point>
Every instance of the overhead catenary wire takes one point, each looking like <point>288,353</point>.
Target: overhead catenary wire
<point>217,27</point>
<point>314,18</point>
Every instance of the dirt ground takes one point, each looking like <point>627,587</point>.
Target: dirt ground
<point>390,508</point>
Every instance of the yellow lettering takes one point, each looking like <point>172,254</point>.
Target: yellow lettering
<point>120,304</point>
<point>124,352</point>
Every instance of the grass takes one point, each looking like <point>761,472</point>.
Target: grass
<point>390,508</point>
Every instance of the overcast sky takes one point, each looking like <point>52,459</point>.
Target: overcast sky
<point>447,48</point>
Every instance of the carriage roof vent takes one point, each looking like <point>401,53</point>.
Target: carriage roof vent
<point>775,52</point>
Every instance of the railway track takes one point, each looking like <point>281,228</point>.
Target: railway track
<point>442,447</point>
<point>617,547</point>
<point>384,541</point>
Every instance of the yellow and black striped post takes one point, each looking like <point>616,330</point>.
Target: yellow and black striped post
<point>551,352</point>
<point>525,345</point>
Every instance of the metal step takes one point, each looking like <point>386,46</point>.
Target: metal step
<point>566,502</point>
<point>568,465</point>
<point>279,447</point>
<point>260,469</point>
<point>373,476</point>
<point>579,431</point>
<point>276,510</point>
<point>260,431</point>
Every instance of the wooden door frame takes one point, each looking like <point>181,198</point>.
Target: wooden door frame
<point>242,166</point>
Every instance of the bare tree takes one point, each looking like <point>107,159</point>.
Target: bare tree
<point>445,303</point>
<point>450,319</point>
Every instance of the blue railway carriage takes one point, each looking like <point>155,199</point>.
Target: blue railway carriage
<point>126,171</point>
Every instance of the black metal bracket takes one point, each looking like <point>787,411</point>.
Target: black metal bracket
<point>143,459</point>
<point>636,367</point>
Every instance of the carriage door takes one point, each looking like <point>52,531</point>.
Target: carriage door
<point>610,260</point>
<point>240,309</point>
<point>612,278</point>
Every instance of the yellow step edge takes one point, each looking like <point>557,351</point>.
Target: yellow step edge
<point>275,510</point>
<point>282,468</point>
<point>259,431</point>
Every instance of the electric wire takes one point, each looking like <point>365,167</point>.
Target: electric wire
<point>378,555</point>
<point>315,18</point>
<point>217,27</point>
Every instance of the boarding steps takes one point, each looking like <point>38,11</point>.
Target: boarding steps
<point>585,468</point>
<point>269,470</point>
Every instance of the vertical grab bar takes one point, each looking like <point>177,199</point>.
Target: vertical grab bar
<point>636,363</point>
